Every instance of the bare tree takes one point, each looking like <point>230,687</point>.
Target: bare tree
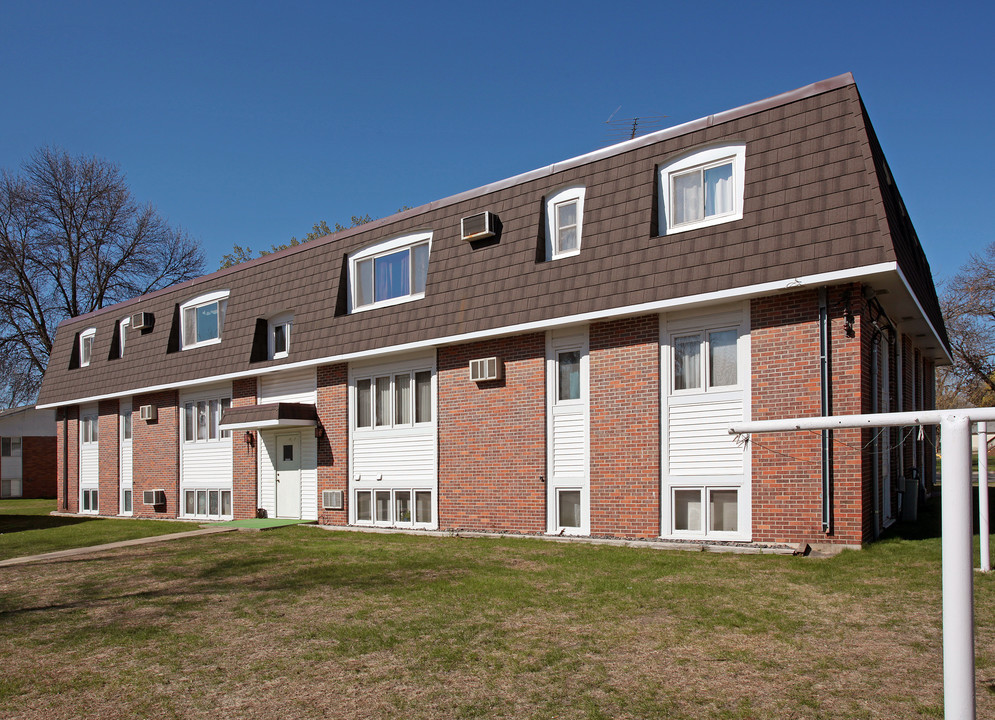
<point>969,313</point>
<point>72,240</point>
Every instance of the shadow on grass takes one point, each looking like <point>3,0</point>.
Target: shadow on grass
<point>20,523</point>
<point>929,523</point>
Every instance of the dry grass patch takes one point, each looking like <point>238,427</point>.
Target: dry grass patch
<point>307,623</point>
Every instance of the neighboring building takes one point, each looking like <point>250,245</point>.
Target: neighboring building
<point>27,453</point>
<point>575,372</point>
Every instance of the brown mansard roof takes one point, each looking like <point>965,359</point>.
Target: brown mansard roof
<point>818,199</point>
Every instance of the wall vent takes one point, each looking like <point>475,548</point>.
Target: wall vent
<point>147,412</point>
<point>478,227</point>
<point>141,320</point>
<point>154,497</point>
<point>331,499</point>
<point>486,369</point>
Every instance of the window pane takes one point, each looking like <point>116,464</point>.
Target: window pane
<point>687,362</point>
<point>723,510</point>
<point>687,510</point>
<point>190,506</point>
<point>214,420</point>
<point>722,358</point>
<point>213,498</point>
<point>566,226</point>
<point>392,276</point>
<point>423,507</point>
<point>419,265</point>
<point>383,401</point>
<point>189,422</point>
<point>94,505</point>
<point>423,396</point>
<point>225,404</point>
<point>202,502</point>
<point>383,505</point>
<point>687,198</point>
<point>126,501</point>
<point>5,447</point>
<point>718,190</point>
<point>363,404</point>
<point>226,502</point>
<point>202,420</point>
<point>279,339</point>
<point>126,425</point>
<point>207,322</point>
<point>569,501</point>
<point>87,350</point>
<point>15,447</point>
<point>568,371</point>
<point>86,499</point>
<point>402,505</point>
<point>363,505</point>
<point>94,429</point>
<point>189,326</point>
<point>364,284</point>
<point>402,399</point>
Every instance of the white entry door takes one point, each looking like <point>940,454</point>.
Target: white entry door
<point>288,476</point>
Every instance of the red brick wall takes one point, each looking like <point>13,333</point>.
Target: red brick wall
<point>625,427</point>
<point>492,438</point>
<point>156,446</point>
<point>244,455</point>
<point>38,466</point>
<point>67,458</point>
<point>109,451</point>
<point>787,477</point>
<point>333,445</point>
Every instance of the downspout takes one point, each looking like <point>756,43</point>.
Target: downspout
<point>825,389</point>
<point>875,447</point>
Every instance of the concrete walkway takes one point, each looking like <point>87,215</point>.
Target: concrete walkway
<point>110,546</point>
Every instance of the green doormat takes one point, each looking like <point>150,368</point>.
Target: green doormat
<point>261,523</point>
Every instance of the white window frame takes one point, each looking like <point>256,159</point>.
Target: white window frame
<point>10,448</point>
<point>705,359</point>
<point>123,335</point>
<point>86,504</point>
<point>224,402</point>
<point>391,376</point>
<point>704,491</point>
<point>392,520</point>
<point>219,297</point>
<point>285,321</point>
<point>574,193</point>
<point>90,429</point>
<point>86,346</point>
<point>701,159</point>
<point>197,492</point>
<point>383,249</point>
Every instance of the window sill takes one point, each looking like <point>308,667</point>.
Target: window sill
<point>388,303</point>
<point>205,343</point>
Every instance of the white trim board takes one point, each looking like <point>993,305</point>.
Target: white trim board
<point>741,293</point>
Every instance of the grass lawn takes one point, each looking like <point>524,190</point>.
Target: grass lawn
<point>306,623</point>
<point>26,528</point>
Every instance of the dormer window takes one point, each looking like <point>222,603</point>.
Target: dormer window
<point>203,319</point>
<point>389,273</point>
<point>564,222</point>
<point>279,336</point>
<point>702,189</point>
<point>123,335</point>
<point>86,346</point>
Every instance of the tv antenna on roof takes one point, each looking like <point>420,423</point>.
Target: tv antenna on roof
<point>630,128</point>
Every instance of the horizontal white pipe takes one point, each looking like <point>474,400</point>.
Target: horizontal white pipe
<point>923,417</point>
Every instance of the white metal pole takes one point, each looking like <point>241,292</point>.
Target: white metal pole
<point>958,570</point>
<point>986,558</point>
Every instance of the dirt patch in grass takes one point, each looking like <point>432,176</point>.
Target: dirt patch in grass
<point>344,625</point>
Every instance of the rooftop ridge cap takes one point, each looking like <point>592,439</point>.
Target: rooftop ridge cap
<point>806,91</point>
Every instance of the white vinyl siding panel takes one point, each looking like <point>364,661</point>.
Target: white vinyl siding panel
<point>699,439</point>
<point>89,453</point>
<point>10,468</point>
<point>127,454</point>
<point>399,457</point>
<point>295,386</point>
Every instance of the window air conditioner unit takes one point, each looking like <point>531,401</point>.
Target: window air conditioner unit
<point>154,497</point>
<point>486,369</point>
<point>147,412</point>
<point>141,320</point>
<point>331,499</point>
<point>478,227</point>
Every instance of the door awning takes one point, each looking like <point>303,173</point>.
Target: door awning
<point>272,415</point>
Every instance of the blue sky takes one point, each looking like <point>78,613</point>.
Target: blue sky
<point>247,122</point>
